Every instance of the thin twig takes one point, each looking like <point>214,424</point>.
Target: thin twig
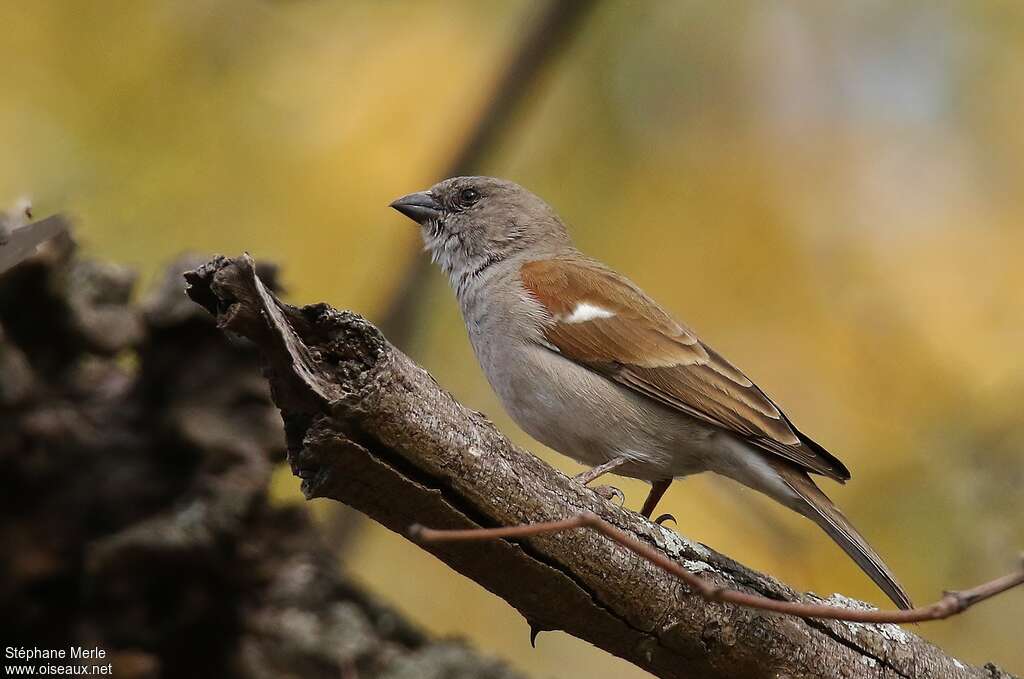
<point>949,605</point>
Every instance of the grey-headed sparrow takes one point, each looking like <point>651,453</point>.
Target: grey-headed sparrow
<point>589,365</point>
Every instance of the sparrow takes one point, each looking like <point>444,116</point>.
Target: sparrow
<point>587,364</point>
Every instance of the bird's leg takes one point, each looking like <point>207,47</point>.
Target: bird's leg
<point>607,492</point>
<point>658,489</point>
<point>591,474</point>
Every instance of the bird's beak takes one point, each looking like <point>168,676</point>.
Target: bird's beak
<point>419,207</point>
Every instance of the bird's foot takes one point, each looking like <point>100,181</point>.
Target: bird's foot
<point>609,493</point>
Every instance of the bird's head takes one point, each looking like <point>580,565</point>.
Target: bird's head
<point>471,223</point>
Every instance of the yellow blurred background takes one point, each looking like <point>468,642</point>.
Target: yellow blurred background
<point>830,193</point>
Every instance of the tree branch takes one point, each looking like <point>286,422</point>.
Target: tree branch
<point>367,427</point>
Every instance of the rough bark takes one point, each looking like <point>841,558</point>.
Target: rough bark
<point>367,427</point>
<point>137,444</point>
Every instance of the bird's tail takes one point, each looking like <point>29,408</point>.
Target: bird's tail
<point>820,509</point>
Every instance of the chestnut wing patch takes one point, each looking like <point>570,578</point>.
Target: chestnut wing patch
<point>606,323</point>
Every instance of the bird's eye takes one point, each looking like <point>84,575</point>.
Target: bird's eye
<point>469,196</point>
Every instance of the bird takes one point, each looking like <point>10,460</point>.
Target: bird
<point>589,365</point>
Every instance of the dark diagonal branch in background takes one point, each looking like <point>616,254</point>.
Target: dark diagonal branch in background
<point>543,39</point>
<point>368,427</point>
<point>950,604</point>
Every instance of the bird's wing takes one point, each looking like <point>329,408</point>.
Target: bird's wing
<point>604,322</point>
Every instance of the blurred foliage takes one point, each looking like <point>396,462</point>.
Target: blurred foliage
<point>828,192</point>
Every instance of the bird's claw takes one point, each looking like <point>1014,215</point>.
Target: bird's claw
<point>666,517</point>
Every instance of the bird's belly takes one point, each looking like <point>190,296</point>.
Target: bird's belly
<point>592,420</point>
